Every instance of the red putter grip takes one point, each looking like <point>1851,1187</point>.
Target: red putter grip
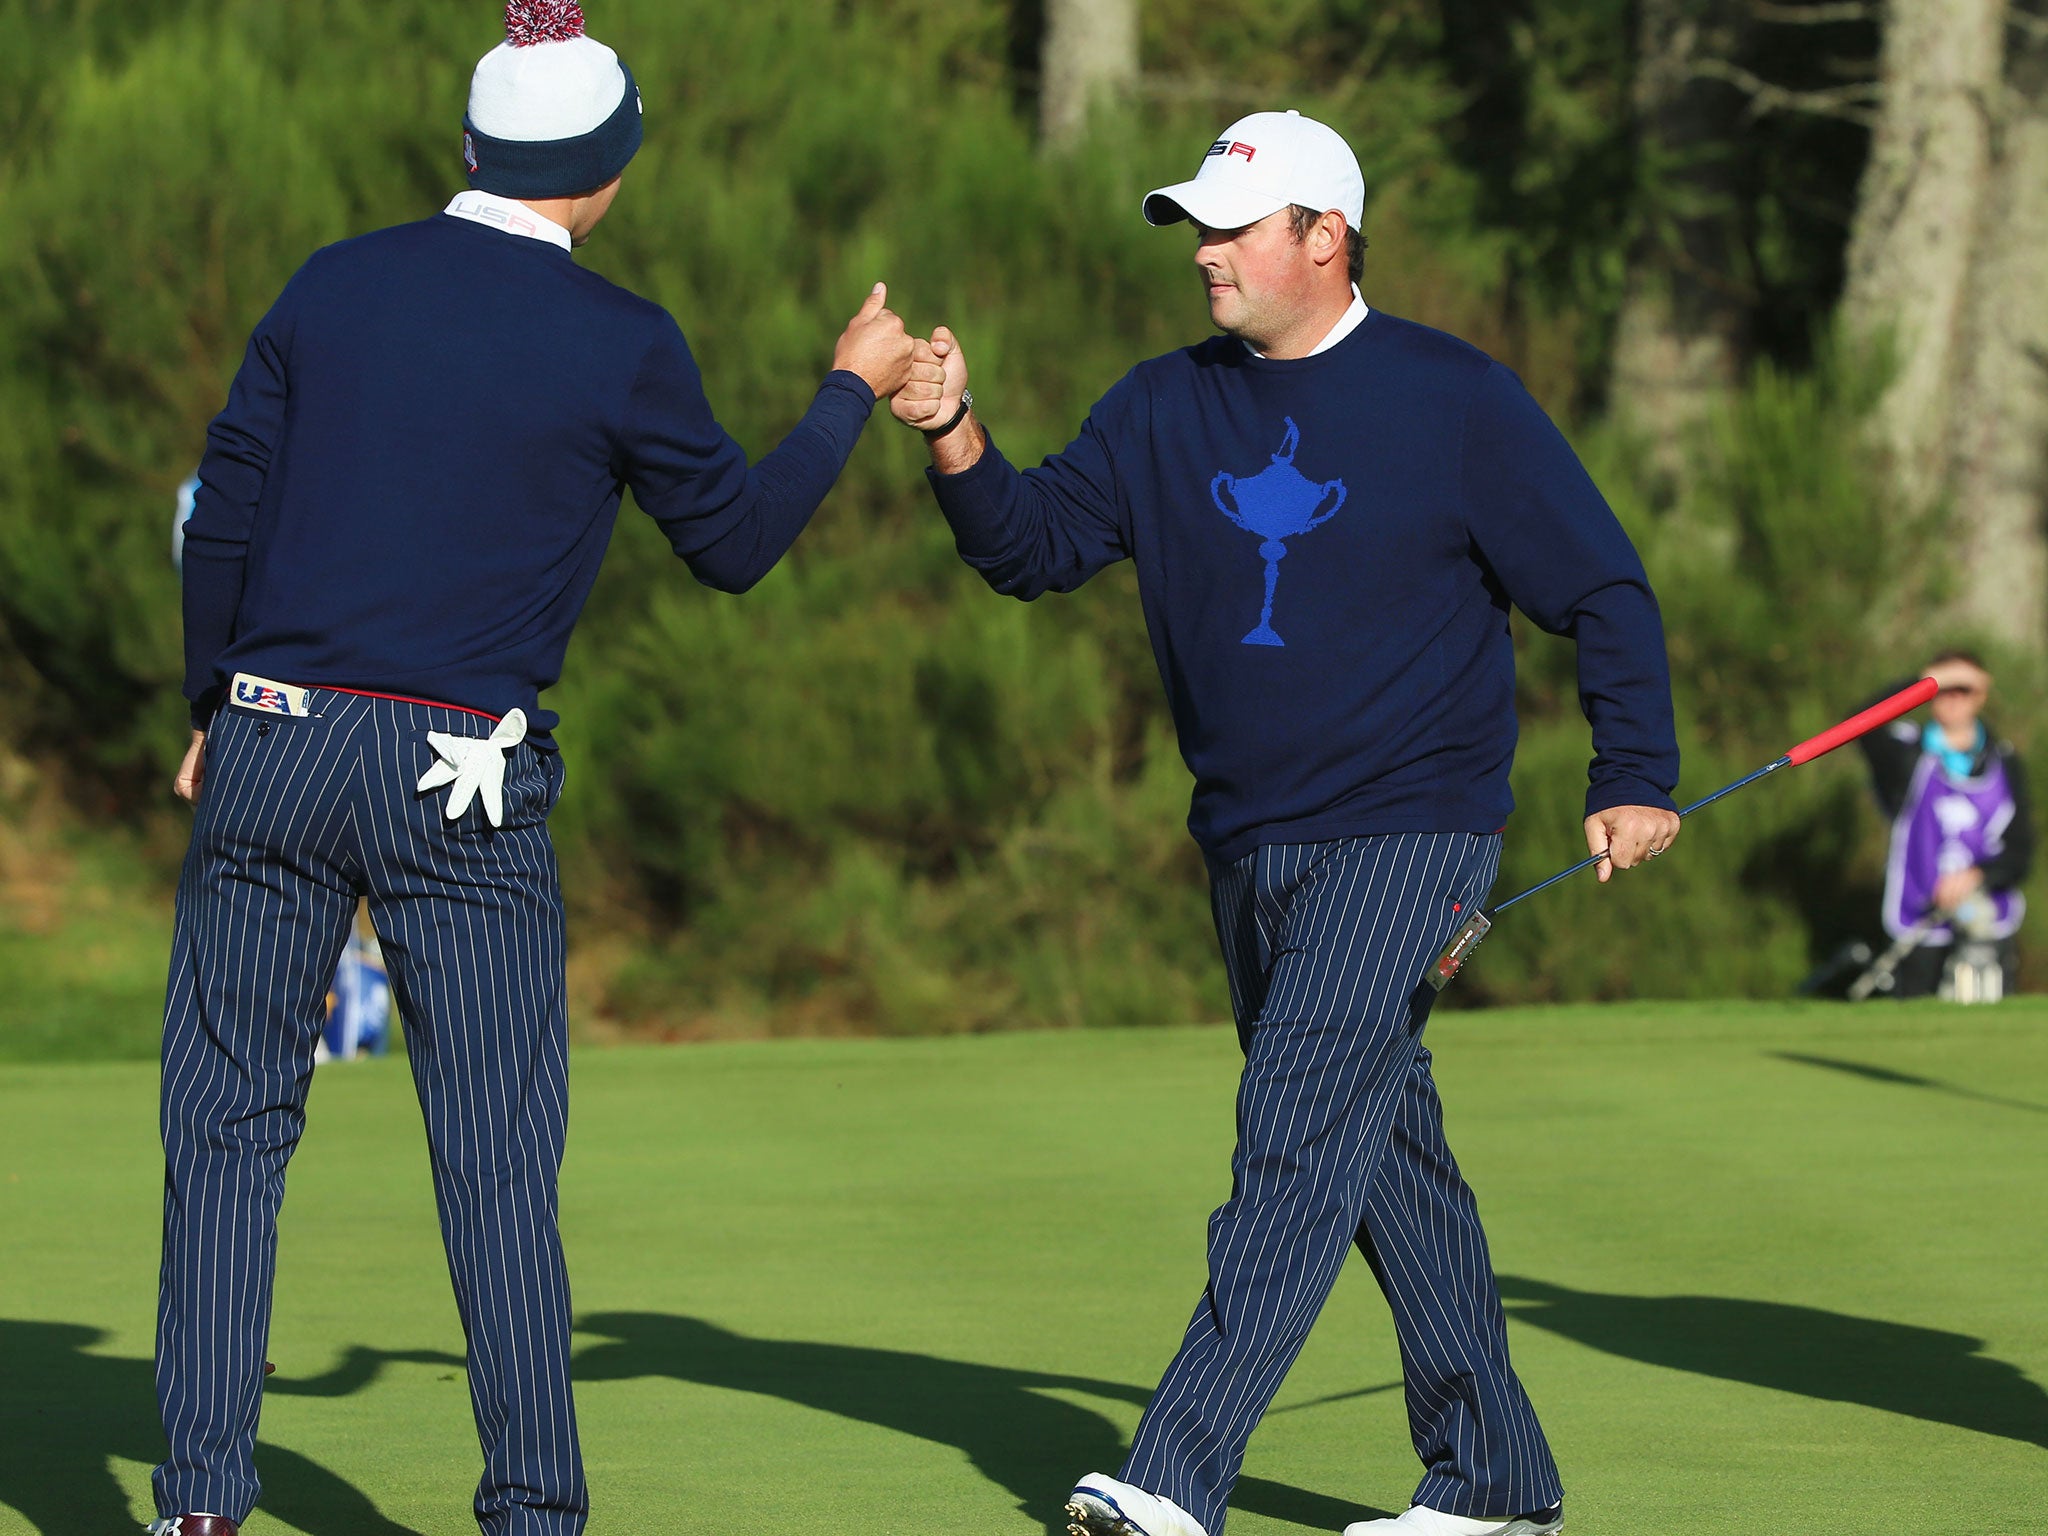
<point>1871,718</point>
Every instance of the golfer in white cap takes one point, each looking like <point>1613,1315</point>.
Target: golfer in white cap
<point>1331,511</point>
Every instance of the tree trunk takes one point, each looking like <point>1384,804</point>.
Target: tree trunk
<point>1946,259</point>
<point>1090,54</point>
<point>1999,479</point>
<point>1683,329</point>
<point>1919,220</point>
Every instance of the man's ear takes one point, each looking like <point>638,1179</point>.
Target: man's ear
<point>1326,242</point>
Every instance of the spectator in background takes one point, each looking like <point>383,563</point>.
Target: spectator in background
<point>1962,828</point>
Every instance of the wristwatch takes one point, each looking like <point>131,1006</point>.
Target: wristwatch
<point>966,405</point>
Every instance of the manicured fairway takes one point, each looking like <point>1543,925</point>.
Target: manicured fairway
<point>1772,1269</point>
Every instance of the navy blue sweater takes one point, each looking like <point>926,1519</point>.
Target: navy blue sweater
<point>1394,495</point>
<point>420,462</point>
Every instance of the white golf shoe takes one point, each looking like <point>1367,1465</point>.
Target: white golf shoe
<point>1102,1506</point>
<point>1421,1520</point>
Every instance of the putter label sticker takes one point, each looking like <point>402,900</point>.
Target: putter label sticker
<point>266,697</point>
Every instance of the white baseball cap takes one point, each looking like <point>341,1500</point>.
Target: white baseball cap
<point>1261,164</point>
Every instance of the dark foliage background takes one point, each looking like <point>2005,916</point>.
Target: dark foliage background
<point>870,795</point>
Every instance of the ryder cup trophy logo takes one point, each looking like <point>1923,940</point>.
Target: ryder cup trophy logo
<point>1277,503</point>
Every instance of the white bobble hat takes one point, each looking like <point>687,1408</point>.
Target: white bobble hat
<point>552,112</point>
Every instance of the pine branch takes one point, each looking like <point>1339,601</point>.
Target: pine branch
<point>1812,15</point>
<point>1851,103</point>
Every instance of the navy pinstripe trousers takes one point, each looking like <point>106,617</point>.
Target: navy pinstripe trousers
<point>1340,1140</point>
<point>297,818</point>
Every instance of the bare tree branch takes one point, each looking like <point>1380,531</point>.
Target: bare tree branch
<point>1190,88</point>
<point>1851,103</point>
<point>1812,15</point>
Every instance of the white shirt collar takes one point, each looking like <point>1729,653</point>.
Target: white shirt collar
<point>1348,322</point>
<point>514,217</point>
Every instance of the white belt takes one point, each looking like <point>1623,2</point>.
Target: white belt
<point>475,765</point>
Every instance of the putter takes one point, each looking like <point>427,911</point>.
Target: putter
<point>1479,924</point>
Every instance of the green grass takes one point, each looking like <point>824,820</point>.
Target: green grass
<point>1771,1268</point>
<point>84,934</point>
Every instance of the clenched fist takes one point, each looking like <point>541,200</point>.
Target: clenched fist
<point>952,433</point>
<point>932,401</point>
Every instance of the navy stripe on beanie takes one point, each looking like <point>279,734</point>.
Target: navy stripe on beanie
<point>555,167</point>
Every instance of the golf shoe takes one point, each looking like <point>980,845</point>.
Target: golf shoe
<point>1102,1506</point>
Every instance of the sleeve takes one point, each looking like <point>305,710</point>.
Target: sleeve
<point>728,520</point>
<point>1047,529</point>
<point>1892,753</point>
<point>239,446</point>
<point>1543,528</point>
<point>2009,866</point>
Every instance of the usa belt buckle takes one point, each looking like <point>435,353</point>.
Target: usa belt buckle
<point>267,697</point>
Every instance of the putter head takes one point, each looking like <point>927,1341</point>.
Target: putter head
<point>1459,950</point>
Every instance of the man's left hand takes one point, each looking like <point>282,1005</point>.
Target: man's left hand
<point>932,397</point>
<point>1629,834</point>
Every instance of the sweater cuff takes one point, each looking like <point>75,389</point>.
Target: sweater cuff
<point>1606,794</point>
<point>853,384</point>
<point>973,478</point>
<point>205,707</point>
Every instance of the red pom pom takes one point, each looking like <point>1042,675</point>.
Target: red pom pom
<point>542,21</point>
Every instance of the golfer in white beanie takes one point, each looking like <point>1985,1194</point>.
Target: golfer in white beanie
<point>367,636</point>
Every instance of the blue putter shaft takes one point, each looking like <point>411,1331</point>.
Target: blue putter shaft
<point>1588,863</point>
<point>1453,956</point>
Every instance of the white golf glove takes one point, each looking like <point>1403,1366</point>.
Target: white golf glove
<point>475,765</point>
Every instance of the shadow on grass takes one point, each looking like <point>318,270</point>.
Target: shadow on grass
<point>66,1413</point>
<point>1922,1373</point>
<point>1029,1443</point>
<point>1876,1074</point>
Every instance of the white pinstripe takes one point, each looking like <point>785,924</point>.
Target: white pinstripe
<point>1340,1139</point>
<point>298,818</point>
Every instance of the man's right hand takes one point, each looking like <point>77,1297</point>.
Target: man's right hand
<point>875,346</point>
<point>191,772</point>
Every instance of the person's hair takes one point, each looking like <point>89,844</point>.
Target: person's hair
<point>1303,219</point>
<point>1956,653</point>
